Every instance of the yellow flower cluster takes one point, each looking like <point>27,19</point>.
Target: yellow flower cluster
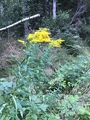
<point>56,43</point>
<point>43,35</point>
<point>21,41</point>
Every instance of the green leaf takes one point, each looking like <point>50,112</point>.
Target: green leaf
<point>43,107</point>
<point>28,53</point>
<point>1,108</point>
<point>5,117</point>
<point>58,79</point>
<point>16,118</point>
<point>5,85</point>
<point>3,79</point>
<point>14,99</point>
<point>83,111</point>
<point>1,100</point>
<point>25,67</point>
<point>75,37</point>
<point>34,117</point>
<point>73,99</point>
<point>31,116</point>
<point>19,107</point>
<point>52,117</point>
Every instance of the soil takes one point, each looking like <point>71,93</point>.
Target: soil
<point>9,52</point>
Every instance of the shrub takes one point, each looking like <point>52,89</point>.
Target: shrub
<point>61,28</point>
<point>72,73</point>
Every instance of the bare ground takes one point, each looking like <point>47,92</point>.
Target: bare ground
<point>9,52</point>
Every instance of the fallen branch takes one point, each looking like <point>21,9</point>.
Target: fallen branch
<point>18,22</point>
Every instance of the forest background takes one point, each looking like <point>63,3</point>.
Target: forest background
<point>41,83</point>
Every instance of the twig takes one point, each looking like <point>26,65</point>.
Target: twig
<point>80,10</point>
<point>18,22</point>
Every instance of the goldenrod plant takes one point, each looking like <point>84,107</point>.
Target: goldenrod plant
<point>31,94</point>
<point>43,36</point>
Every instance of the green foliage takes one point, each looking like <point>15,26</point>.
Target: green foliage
<point>32,67</point>
<point>71,74</point>
<point>61,28</point>
<point>71,108</point>
<point>84,32</point>
<point>23,98</point>
<point>31,95</point>
<point>59,24</point>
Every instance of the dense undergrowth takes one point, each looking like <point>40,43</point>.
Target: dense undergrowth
<point>42,79</point>
<point>48,83</point>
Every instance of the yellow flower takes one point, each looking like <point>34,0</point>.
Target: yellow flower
<point>30,36</point>
<point>64,82</point>
<point>44,29</point>
<point>42,35</point>
<point>56,43</point>
<point>48,40</point>
<point>42,32</point>
<point>37,33</point>
<point>60,40</point>
<point>35,41</point>
<point>45,34</point>
<point>22,41</point>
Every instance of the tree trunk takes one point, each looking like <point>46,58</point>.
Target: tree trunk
<point>1,8</point>
<point>54,9</point>
<point>26,31</point>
